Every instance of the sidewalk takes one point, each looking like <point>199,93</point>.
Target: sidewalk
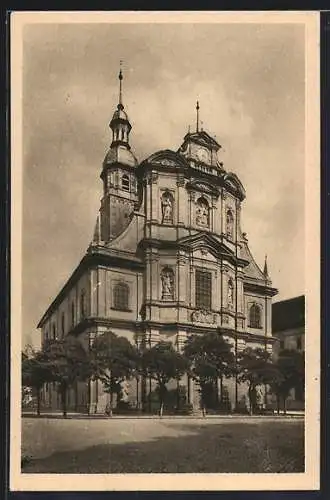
<point>97,416</point>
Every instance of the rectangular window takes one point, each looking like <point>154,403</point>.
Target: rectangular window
<point>203,289</point>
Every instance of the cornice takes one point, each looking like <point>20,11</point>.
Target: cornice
<point>95,256</point>
<point>261,287</point>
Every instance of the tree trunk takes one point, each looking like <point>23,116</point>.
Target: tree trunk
<point>111,403</point>
<point>221,389</point>
<point>38,402</point>
<point>161,409</point>
<point>250,394</point>
<point>278,403</point>
<point>63,395</point>
<point>284,405</point>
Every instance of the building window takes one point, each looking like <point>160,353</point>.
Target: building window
<point>230,224</point>
<point>54,332</point>
<point>121,296</point>
<point>255,316</point>
<point>63,324</point>
<point>202,212</point>
<point>72,314</point>
<point>299,343</point>
<point>125,182</point>
<point>203,289</point>
<point>83,304</point>
<point>281,344</point>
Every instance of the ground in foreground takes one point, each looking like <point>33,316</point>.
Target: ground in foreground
<point>163,445</point>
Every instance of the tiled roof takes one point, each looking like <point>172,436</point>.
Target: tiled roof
<point>288,314</point>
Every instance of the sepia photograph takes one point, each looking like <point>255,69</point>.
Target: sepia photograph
<point>165,251</point>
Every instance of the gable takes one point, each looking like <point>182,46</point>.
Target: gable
<point>234,185</point>
<point>167,158</point>
<point>205,253</point>
<point>204,242</point>
<point>203,187</point>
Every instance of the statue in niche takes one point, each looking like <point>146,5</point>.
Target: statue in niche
<point>229,224</point>
<point>230,293</point>
<point>167,207</point>
<point>124,391</point>
<point>202,212</point>
<point>167,284</point>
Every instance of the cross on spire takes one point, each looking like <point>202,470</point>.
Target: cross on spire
<point>120,76</point>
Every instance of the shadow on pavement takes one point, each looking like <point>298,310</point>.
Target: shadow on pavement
<point>218,448</point>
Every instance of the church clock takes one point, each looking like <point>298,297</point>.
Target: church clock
<point>202,155</point>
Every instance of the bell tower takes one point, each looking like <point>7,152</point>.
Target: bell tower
<point>118,175</point>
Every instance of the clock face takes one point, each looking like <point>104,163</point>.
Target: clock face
<point>203,154</point>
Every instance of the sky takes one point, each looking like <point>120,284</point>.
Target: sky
<point>249,80</point>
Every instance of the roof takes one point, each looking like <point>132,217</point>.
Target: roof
<point>202,137</point>
<point>252,270</point>
<point>120,154</point>
<point>288,314</point>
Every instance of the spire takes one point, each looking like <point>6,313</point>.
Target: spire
<point>197,116</point>
<point>120,124</point>
<point>120,76</point>
<point>266,268</point>
<point>97,232</point>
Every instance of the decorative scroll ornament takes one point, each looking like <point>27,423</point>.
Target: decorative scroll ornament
<point>164,161</point>
<point>202,316</point>
<point>225,319</point>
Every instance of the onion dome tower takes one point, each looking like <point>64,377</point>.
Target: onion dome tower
<point>118,175</point>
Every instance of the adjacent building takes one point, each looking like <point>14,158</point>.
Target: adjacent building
<point>168,259</point>
<point>288,325</point>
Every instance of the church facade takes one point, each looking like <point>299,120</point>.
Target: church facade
<point>168,259</point>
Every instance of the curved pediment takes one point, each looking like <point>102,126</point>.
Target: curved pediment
<point>234,185</point>
<point>203,240</point>
<point>167,158</point>
<point>203,187</point>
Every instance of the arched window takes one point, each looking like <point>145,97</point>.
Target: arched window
<point>121,297</point>
<point>255,316</point>
<point>202,212</point>
<point>167,279</point>
<point>82,304</point>
<point>125,182</point>
<point>229,224</point>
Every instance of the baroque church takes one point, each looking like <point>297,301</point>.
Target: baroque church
<point>168,259</point>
